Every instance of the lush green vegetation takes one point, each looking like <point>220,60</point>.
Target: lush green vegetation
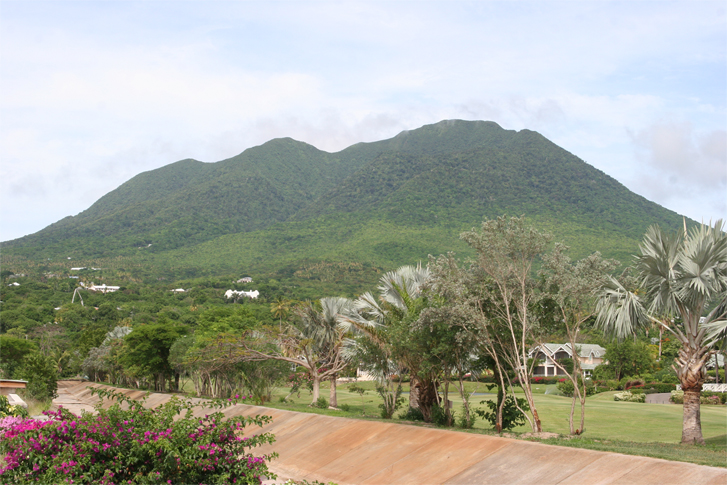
<point>286,204</point>
<point>338,224</point>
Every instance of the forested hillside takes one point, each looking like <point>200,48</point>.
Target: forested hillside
<point>286,204</point>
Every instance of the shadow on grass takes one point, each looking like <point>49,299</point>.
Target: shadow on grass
<point>717,441</point>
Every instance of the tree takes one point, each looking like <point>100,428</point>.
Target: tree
<point>42,376</point>
<point>680,275</point>
<point>12,352</point>
<point>572,286</point>
<point>280,309</point>
<point>147,349</point>
<point>390,323</point>
<point>506,251</point>
<point>328,332</point>
<point>627,358</point>
<point>315,343</point>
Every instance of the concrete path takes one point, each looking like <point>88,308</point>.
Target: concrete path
<point>660,398</point>
<point>350,451</point>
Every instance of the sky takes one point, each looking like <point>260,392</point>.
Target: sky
<point>95,92</point>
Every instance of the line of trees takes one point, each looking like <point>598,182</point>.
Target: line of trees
<point>439,323</point>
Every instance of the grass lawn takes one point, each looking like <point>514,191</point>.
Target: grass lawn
<point>622,427</point>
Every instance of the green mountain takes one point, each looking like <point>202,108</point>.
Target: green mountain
<point>286,205</point>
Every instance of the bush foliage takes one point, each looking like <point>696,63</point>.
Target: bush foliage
<point>131,444</point>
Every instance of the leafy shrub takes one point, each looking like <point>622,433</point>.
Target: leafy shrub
<point>627,396</point>
<point>545,380</point>
<point>462,420</point>
<point>667,376</point>
<point>713,374</point>
<point>511,415</point>
<point>392,400</point>
<point>412,414</point>
<point>566,387</point>
<point>344,407</point>
<point>133,445</point>
<point>7,410</point>
<point>710,399</point>
<point>41,375</point>
<point>438,415</point>
<point>721,395</point>
<point>658,387</point>
<point>632,382</point>
<point>321,403</point>
<point>677,397</point>
<point>606,385</point>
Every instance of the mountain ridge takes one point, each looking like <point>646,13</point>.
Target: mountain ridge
<point>428,183</point>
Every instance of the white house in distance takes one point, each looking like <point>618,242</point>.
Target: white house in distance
<point>103,288</point>
<point>589,355</point>
<point>236,294</point>
<point>246,279</point>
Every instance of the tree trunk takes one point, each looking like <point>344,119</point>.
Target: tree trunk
<point>692,422</point>
<point>576,395</point>
<point>583,409</point>
<point>716,368</point>
<point>422,396</point>
<point>333,398</point>
<point>447,411</point>
<point>691,375</point>
<point>316,389</point>
<point>465,401</point>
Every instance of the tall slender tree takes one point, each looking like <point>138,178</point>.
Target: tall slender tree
<point>573,287</point>
<point>680,276</point>
<point>507,249</point>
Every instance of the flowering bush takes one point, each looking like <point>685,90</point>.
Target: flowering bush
<point>715,400</point>
<point>629,397</point>
<point>133,445</point>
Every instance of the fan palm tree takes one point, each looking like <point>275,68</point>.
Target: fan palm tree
<point>323,328</point>
<point>680,275</point>
<point>400,299</point>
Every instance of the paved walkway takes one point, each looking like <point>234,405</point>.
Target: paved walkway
<point>350,451</point>
<point>660,398</point>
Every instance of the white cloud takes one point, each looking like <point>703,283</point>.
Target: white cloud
<point>92,93</point>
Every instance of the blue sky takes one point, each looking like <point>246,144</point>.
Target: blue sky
<point>93,93</point>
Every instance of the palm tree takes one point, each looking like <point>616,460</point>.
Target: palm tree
<point>324,328</point>
<point>679,275</point>
<point>400,299</point>
<point>280,309</point>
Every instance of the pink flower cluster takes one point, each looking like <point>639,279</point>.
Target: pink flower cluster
<point>130,446</point>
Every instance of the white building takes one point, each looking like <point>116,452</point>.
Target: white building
<point>589,355</point>
<point>237,294</point>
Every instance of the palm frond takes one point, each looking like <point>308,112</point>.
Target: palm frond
<point>620,312</point>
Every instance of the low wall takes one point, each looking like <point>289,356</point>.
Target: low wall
<point>350,451</point>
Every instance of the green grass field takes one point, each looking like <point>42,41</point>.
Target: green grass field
<point>631,428</point>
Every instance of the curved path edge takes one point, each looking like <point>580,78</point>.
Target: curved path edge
<point>350,451</point>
